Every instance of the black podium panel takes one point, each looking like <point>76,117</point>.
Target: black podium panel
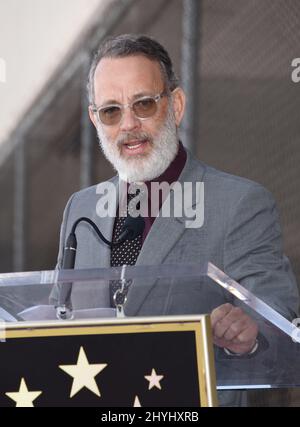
<point>119,363</point>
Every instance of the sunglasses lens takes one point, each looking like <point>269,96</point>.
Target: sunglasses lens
<point>110,115</point>
<point>145,107</point>
<point>142,108</point>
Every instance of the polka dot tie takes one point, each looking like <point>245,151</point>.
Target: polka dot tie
<point>124,254</point>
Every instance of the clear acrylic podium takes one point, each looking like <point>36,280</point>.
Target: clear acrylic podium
<point>24,300</point>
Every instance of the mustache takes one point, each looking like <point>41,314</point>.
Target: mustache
<point>133,136</point>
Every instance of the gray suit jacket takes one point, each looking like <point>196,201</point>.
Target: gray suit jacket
<point>240,234</point>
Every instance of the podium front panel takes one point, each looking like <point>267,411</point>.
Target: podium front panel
<point>117,363</point>
<point>166,290</point>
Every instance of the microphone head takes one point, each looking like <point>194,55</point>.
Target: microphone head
<point>132,228</point>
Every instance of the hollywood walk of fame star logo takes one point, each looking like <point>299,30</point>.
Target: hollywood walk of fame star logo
<point>24,398</point>
<point>83,374</point>
<point>154,380</point>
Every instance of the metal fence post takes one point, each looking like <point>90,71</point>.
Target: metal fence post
<point>19,207</point>
<point>189,70</point>
<point>86,137</point>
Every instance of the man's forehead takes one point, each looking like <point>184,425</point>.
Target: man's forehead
<point>132,73</point>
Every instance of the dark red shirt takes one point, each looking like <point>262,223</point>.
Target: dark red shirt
<point>170,175</point>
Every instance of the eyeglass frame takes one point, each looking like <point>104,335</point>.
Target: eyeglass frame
<point>122,107</point>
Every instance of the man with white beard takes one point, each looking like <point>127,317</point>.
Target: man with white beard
<point>135,168</point>
<point>136,105</point>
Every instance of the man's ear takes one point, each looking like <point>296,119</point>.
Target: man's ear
<point>92,116</point>
<point>178,97</point>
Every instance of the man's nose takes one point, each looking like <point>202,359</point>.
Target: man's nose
<point>129,120</point>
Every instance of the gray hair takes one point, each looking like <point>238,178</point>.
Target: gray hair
<point>130,45</point>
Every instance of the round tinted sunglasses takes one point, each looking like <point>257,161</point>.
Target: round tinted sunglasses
<point>143,108</point>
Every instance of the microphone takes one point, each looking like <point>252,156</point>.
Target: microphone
<point>63,311</point>
<point>133,227</point>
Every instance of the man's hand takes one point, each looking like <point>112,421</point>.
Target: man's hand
<point>233,329</point>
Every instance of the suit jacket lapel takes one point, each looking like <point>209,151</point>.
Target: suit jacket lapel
<point>162,237</point>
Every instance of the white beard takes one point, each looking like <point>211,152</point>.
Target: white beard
<point>164,148</point>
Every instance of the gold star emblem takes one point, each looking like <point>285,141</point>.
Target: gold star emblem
<point>83,374</point>
<point>137,403</point>
<point>23,397</point>
<point>154,379</point>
